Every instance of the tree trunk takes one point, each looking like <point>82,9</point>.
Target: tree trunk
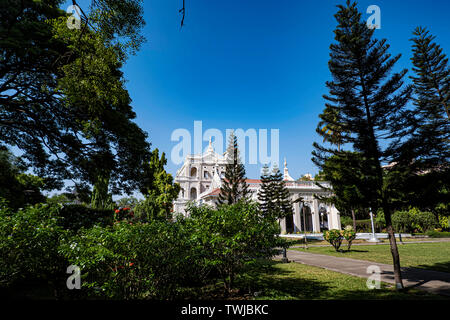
<point>354,220</point>
<point>394,249</point>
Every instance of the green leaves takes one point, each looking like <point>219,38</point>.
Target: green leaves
<point>158,188</point>
<point>233,235</point>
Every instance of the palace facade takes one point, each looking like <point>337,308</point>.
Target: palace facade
<point>200,178</point>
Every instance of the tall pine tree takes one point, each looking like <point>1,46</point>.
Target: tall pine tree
<point>265,192</point>
<point>281,197</point>
<point>234,187</point>
<point>273,195</point>
<point>426,154</point>
<point>370,107</point>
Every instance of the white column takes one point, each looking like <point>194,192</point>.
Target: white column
<point>315,217</point>
<point>335,217</point>
<point>297,224</point>
<point>283,225</point>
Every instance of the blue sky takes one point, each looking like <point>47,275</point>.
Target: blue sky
<point>253,64</point>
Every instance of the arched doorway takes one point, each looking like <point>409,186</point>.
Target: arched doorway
<point>290,224</point>
<point>306,218</point>
<point>323,215</point>
<point>193,194</point>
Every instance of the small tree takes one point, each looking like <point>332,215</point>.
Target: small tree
<point>158,188</point>
<point>349,234</point>
<point>334,237</point>
<point>233,236</point>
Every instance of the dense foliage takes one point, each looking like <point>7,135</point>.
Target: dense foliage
<point>234,235</point>
<point>29,240</point>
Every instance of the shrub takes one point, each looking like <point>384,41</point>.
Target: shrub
<point>334,237</point>
<point>412,220</point>
<point>380,220</point>
<point>346,221</point>
<point>349,234</point>
<point>29,239</point>
<point>233,236</point>
<point>444,222</point>
<point>363,225</point>
<point>133,261</point>
<point>436,234</point>
<point>424,221</point>
<point>402,221</point>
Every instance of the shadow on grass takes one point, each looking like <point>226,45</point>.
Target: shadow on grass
<point>267,281</point>
<point>439,266</point>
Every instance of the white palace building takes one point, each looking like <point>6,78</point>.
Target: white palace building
<point>200,179</point>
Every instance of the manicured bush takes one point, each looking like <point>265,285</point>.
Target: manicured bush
<point>349,234</point>
<point>436,234</point>
<point>413,220</point>
<point>402,221</point>
<point>424,221</point>
<point>334,237</point>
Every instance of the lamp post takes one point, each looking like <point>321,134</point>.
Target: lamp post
<point>374,237</point>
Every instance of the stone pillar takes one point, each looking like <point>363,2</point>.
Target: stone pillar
<point>315,217</point>
<point>297,217</point>
<point>283,225</point>
<point>335,217</point>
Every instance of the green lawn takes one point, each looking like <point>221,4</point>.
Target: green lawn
<point>285,281</point>
<point>434,256</point>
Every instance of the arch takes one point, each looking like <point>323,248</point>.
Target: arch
<point>193,194</point>
<point>323,216</point>
<point>306,217</point>
<point>290,223</point>
<point>193,172</point>
<point>206,175</point>
<point>182,192</point>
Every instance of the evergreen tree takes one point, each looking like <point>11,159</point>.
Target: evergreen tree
<point>234,187</point>
<point>273,195</point>
<point>265,192</point>
<point>158,188</point>
<point>370,108</point>
<point>424,158</point>
<point>281,196</point>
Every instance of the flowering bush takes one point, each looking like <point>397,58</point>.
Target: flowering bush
<point>334,237</point>
<point>349,234</point>
<point>123,214</point>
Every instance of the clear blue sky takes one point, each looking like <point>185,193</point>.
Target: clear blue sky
<point>253,64</point>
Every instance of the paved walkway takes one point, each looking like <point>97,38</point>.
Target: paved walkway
<point>432,281</point>
<point>385,242</point>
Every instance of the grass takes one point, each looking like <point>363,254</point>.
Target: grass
<point>273,280</point>
<point>286,281</point>
<point>433,256</point>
